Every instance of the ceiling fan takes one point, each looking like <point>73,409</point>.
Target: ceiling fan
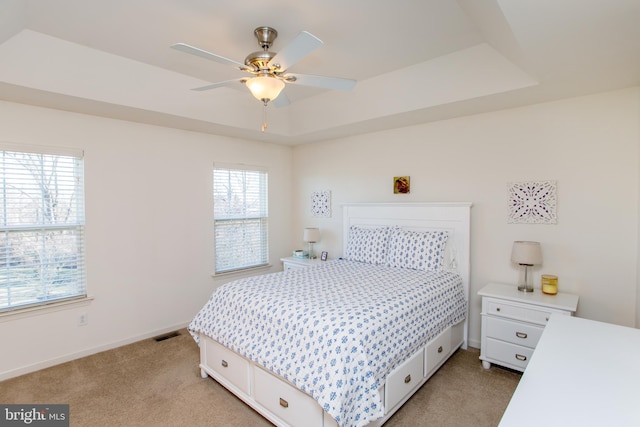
<point>269,70</point>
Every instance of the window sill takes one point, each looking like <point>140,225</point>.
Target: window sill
<point>51,307</point>
<point>244,272</point>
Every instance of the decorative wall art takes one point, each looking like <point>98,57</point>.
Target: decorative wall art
<point>401,185</point>
<point>321,203</point>
<point>532,202</point>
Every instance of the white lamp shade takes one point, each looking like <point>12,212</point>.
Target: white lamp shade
<point>265,88</point>
<point>311,235</point>
<point>526,253</point>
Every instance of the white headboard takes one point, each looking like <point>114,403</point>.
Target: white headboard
<point>453,217</point>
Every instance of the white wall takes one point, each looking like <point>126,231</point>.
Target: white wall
<point>148,197</point>
<point>149,230</point>
<point>589,145</point>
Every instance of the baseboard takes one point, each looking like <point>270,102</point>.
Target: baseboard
<point>73,356</point>
<point>474,344</point>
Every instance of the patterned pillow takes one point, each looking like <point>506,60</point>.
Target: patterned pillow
<point>422,250</point>
<point>368,244</point>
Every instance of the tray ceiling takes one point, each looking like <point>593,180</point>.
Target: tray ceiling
<point>415,60</point>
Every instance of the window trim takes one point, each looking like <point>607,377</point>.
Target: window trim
<point>243,269</point>
<point>44,308</point>
<point>25,310</point>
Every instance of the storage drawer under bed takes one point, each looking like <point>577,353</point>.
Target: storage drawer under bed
<point>403,379</point>
<point>232,367</point>
<point>285,401</point>
<point>437,350</point>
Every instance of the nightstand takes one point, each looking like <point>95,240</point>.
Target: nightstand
<point>512,322</point>
<point>293,262</point>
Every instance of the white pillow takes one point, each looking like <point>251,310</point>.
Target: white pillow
<point>419,250</point>
<point>368,245</point>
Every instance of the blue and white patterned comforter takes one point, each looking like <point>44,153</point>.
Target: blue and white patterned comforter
<point>336,330</point>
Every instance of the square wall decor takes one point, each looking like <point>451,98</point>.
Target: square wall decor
<point>321,204</point>
<point>401,185</point>
<point>532,202</point>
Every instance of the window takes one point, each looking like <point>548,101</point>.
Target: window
<point>41,226</point>
<point>240,217</point>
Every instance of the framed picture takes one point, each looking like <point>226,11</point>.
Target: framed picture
<point>324,255</point>
<point>401,185</point>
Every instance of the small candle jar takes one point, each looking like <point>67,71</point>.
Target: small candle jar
<point>549,284</point>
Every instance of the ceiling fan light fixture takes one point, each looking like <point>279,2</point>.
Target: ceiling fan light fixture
<point>265,88</point>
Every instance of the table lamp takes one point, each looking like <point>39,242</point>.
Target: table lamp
<point>526,254</point>
<point>311,236</point>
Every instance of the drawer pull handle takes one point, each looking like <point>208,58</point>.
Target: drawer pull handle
<point>521,357</point>
<point>407,379</point>
<point>497,308</point>
<point>224,363</point>
<point>440,349</point>
<point>521,335</point>
<point>284,403</point>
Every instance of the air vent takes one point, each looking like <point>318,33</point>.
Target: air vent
<point>166,336</point>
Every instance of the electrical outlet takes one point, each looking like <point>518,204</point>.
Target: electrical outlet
<point>83,319</point>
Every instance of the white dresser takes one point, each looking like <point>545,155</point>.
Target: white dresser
<point>583,373</point>
<point>513,321</point>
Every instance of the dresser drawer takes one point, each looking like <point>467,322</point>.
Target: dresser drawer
<point>523,312</point>
<point>437,350</point>
<point>507,354</point>
<point>525,334</point>
<point>233,367</point>
<point>287,402</point>
<point>403,379</point>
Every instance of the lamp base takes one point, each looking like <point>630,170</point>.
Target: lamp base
<point>311,255</point>
<point>525,288</point>
<point>525,285</point>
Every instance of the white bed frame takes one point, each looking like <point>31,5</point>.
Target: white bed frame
<point>283,404</point>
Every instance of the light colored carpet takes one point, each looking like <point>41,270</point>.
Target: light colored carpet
<point>153,383</point>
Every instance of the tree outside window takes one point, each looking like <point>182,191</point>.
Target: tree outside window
<point>41,228</point>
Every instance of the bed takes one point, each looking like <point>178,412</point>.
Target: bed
<point>346,342</point>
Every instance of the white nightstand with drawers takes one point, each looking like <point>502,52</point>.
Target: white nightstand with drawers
<point>294,262</point>
<point>512,322</point>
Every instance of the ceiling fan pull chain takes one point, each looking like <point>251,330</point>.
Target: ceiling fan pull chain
<point>264,117</point>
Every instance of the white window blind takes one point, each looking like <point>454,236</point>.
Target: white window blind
<point>241,218</point>
<point>41,227</point>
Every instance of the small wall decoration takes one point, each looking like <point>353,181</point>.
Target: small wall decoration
<point>401,185</point>
<point>532,202</point>
<point>321,204</point>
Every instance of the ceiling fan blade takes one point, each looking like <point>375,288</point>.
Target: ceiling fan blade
<point>334,83</point>
<point>298,48</point>
<point>226,83</point>
<point>208,55</point>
